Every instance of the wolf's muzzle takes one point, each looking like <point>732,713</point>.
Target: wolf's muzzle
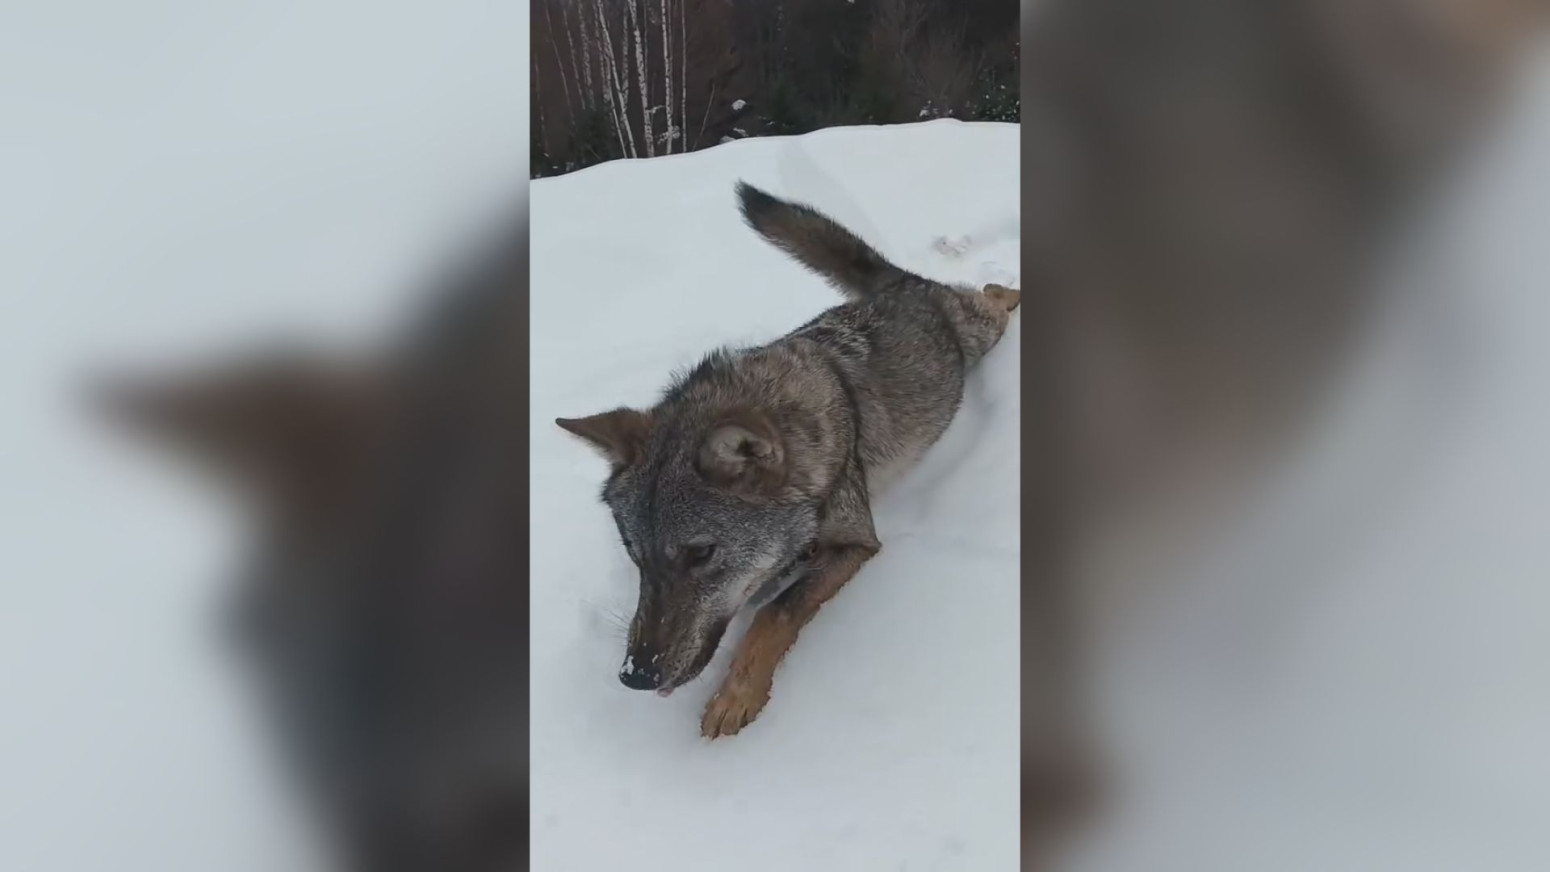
<point>638,674</point>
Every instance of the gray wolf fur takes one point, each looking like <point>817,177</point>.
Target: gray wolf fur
<point>749,481</point>
<point>1213,183</point>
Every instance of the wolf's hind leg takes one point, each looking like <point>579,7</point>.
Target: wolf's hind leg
<point>1003,296</point>
<point>774,629</point>
<point>979,318</point>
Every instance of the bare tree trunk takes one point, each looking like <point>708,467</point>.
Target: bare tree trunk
<point>640,75</point>
<point>538,104</point>
<point>583,72</point>
<point>683,76</point>
<point>667,91</point>
<point>594,51</point>
<point>614,91</point>
<point>559,62</point>
<point>708,104</point>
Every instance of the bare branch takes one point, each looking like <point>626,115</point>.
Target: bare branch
<point>709,103</point>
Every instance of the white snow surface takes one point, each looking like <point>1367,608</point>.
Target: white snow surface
<point>889,740</point>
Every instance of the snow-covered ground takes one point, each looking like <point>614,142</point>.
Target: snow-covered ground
<point>888,740</point>
<point>172,185</point>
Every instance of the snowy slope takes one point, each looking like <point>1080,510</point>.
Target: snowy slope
<point>889,739</point>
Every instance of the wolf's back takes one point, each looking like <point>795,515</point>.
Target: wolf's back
<point>818,243</point>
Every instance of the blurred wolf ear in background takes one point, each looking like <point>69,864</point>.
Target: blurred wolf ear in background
<point>383,612</point>
<point>290,435</point>
<point>1211,185</point>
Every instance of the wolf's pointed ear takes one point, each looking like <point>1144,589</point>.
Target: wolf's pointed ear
<point>619,434</point>
<point>744,454</point>
<point>280,430</point>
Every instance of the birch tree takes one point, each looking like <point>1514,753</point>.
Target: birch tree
<point>614,91</point>
<point>640,76</point>
<point>538,104</point>
<point>667,74</point>
<point>559,63</point>
<point>683,76</point>
<point>584,67</point>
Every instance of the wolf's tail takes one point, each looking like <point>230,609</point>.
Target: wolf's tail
<point>818,243</point>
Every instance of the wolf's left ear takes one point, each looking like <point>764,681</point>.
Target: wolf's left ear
<point>744,454</point>
<point>282,430</point>
<point>619,434</point>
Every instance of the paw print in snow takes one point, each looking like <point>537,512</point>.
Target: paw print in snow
<point>953,248</point>
<point>992,273</point>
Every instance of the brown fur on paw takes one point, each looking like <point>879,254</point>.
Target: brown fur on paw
<point>731,709</point>
<point>1007,298</point>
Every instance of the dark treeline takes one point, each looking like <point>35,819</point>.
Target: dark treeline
<point>641,78</point>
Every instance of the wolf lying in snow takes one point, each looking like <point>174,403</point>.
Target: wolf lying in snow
<point>749,481</point>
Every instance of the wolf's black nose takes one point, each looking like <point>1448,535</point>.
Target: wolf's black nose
<point>637,675</point>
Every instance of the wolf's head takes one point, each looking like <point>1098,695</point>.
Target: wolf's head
<point>713,501</point>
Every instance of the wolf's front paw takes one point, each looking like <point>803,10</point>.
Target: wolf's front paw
<point>733,707</point>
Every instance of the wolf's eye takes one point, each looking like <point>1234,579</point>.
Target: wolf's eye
<point>697,555</point>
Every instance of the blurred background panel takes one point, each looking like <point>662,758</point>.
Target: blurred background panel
<point>1294,329</point>
<point>184,181</point>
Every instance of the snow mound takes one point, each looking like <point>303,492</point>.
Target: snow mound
<point>889,739</point>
